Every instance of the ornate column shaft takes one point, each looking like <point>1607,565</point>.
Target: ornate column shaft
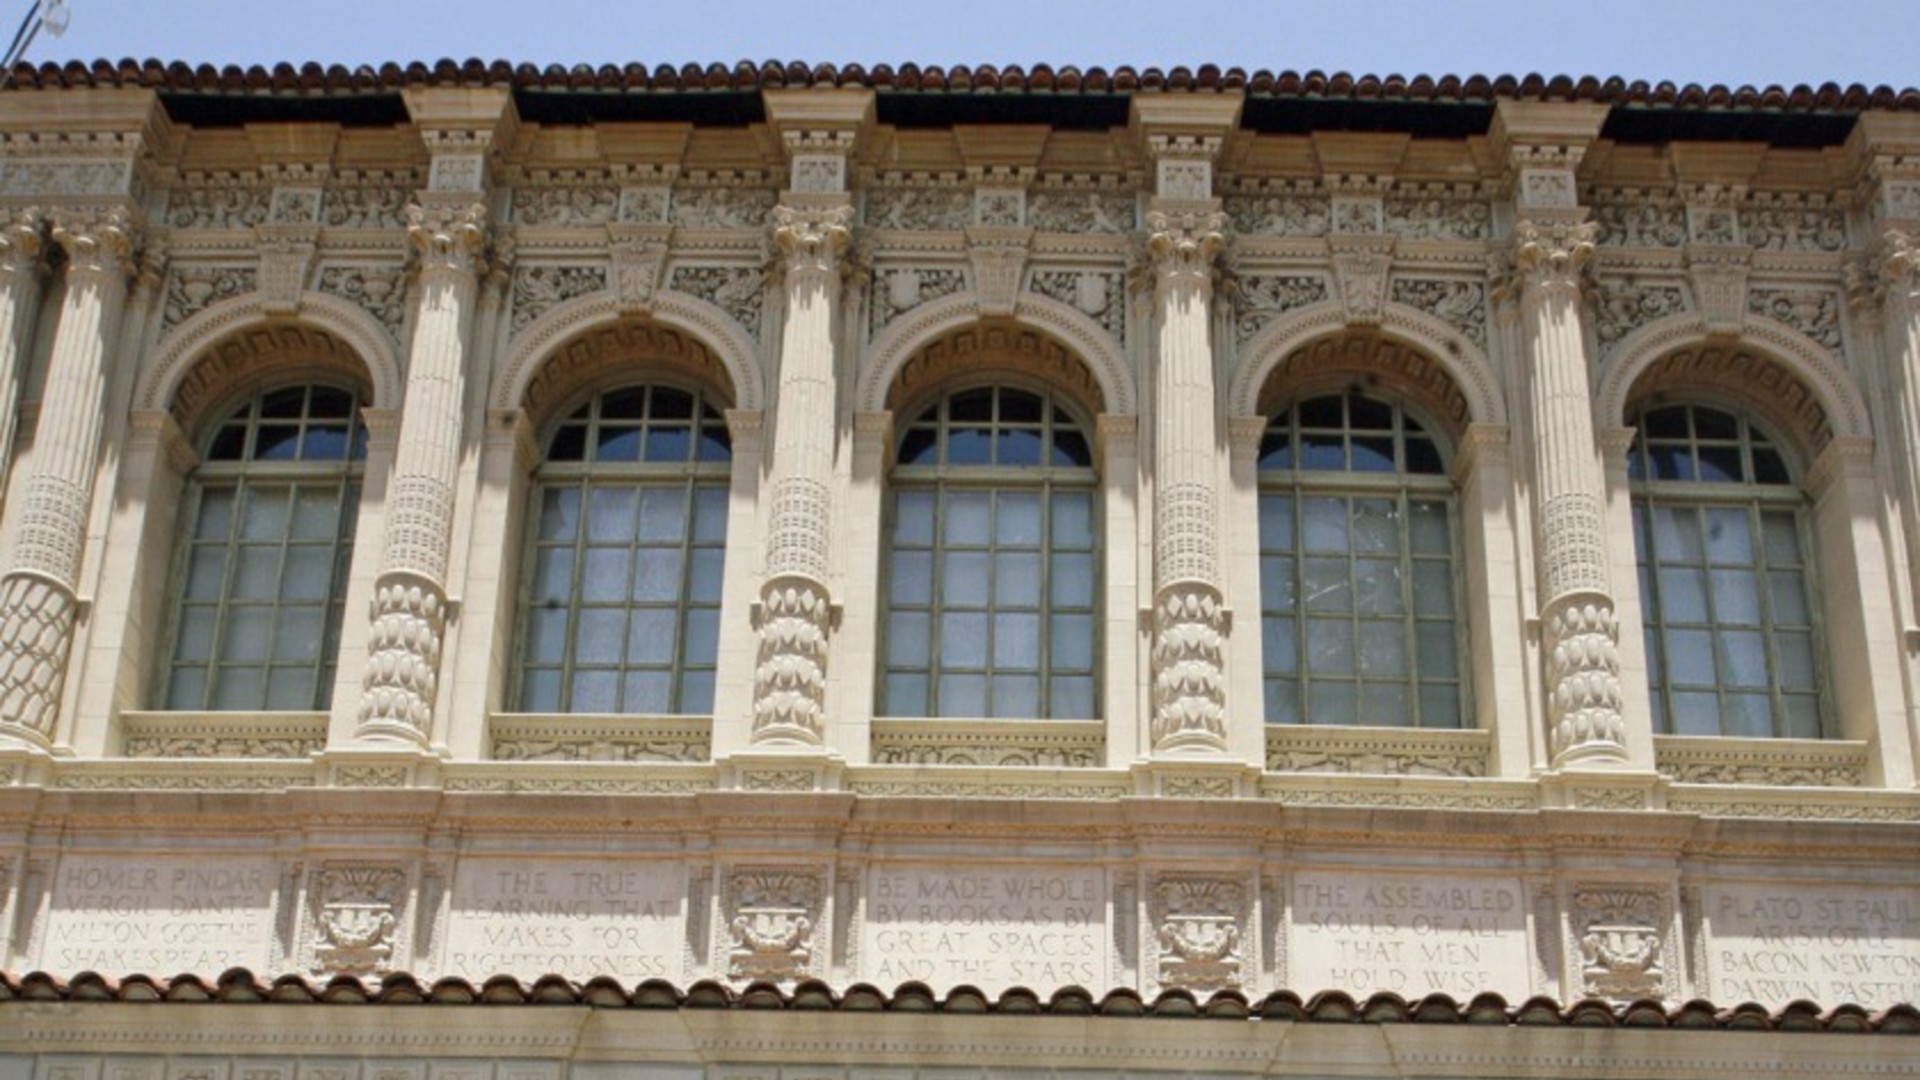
<point>38,602</point>
<point>1189,621</point>
<point>1899,292</point>
<point>1581,633</point>
<point>409,608</point>
<point>22,241</point>
<point>795,615</point>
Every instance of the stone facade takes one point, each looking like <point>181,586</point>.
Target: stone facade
<point>1176,278</point>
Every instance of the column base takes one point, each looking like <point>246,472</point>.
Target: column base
<point>374,766</point>
<point>1195,778</point>
<point>774,768</point>
<point>1584,786</point>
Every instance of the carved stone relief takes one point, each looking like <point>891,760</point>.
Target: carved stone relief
<point>356,917</point>
<point>898,290</point>
<point>1813,312</point>
<point>919,209</point>
<point>380,290</point>
<point>294,206</point>
<point>646,204</point>
<point>67,178</point>
<point>1625,306</point>
<point>771,916</point>
<point>1712,225</point>
<point>1620,935</point>
<point>1067,211</point>
<point>722,207</point>
<point>1641,222</point>
<point>1198,925</point>
<point>1278,214</point>
<point>1438,217</point>
<point>537,288</point>
<point>1460,304</point>
<point>221,203</point>
<point>734,289</point>
<point>379,203</point>
<point>1792,227</point>
<point>1000,207</point>
<point>1260,299</point>
<point>611,749</point>
<point>1357,214</point>
<point>568,206</point>
<point>191,289</point>
<point>1099,295</point>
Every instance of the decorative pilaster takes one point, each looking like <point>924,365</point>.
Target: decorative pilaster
<point>1897,286</point>
<point>1581,634</point>
<point>38,602</point>
<point>22,266</point>
<point>409,608</point>
<point>795,614</point>
<point>1189,616</point>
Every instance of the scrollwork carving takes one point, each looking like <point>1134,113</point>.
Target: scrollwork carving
<point>721,207</point>
<point>1098,295</point>
<point>218,203</point>
<point>1625,306</point>
<point>356,913</point>
<point>1554,254</point>
<point>1198,926</point>
<point>1621,942</point>
<point>570,206</point>
<point>448,236</point>
<point>1184,245</point>
<point>1789,226</point>
<point>191,289</point>
<point>380,203</point>
<point>1640,221</point>
<point>1438,217</point>
<point>1460,304</point>
<point>919,209</point>
<point>1068,211</point>
<point>537,288</point>
<point>772,914</point>
<point>1278,214</point>
<point>1258,300</point>
<point>737,290</point>
<point>903,288</point>
<point>1813,312</point>
<point>380,291</point>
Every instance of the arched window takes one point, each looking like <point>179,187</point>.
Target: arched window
<point>270,516</point>
<point>1724,577</point>
<point>992,564</point>
<point>1357,577</point>
<point>621,608</point>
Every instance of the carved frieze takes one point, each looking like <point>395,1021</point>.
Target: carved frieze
<point>566,206</point>
<point>1198,926</point>
<point>1279,213</point>
<point>1260,299</point>
<point>376,202</point>
<point>191,289</point>
<point>356,917</point>
<point>158,745</point>
<point>734,289</point>
<point>1073,211</point>
<point>1620,934</point>
<point>729,206</point>
<point>1438,216</point>
<point>1813,312</point>
<point>1792,225</point>
<point>218,202</point>
<point>380,290</point>
<point>1099,295</point>
<point>75,177</point>
<point>771,916</point>
<point>534,748</point>
<point>1642,220</point>
<point>537,288</point>
<point>294,206</point>
<point>898,290</point>
<point>919,209</point>
<point>1624,306</point>
<point>1460,304</point>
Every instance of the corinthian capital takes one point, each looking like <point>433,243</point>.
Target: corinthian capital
<point>1184,244</point>
<point>99,244</point>
<point>1553,254</point>
<point>23,241</point>
<point>1900,265</point>
<point>812,237</point>
<point>448,234</point>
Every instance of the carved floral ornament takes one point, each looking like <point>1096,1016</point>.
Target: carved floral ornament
<point>1619,932</point>
<point>1553,254</point>
<point>1197,927</point>
<point>23,241</point>
<point>812,238</point>
<point>448,235</point>
<point>1183,246</point>
<point>98,245</point>
<point>1900,266</point>
<point>772,915</point>
<point>356,912</point>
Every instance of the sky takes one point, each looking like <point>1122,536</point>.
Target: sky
<point>1706,41</point>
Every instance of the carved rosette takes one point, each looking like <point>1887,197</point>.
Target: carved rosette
<point>403,654</point>
<point>356,918</point>
<point>1197,926</point>
<point>1621,943</point>
<point>772,915</point>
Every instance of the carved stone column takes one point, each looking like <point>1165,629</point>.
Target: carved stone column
<point>1580,631</point>
<point>38,602</point>
<point>795,615</point>
<point>1189,617</point>
<point>409,609</point>
<point>22,241</point>
<point>1898,289</point>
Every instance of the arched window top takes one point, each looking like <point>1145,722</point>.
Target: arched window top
<point>649,423</point>
<point>996,426</point>
<point>1691,443</point>
<point>1349,432</point>
<point>313,423</point>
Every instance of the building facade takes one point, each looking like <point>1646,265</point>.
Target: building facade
<point>1047,542</point>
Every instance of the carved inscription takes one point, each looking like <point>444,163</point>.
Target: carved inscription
<point>1832,945</point>
<point>151,914</point>
<point>992,928</point>
<point>577,919</point>
<point>1412,935</point>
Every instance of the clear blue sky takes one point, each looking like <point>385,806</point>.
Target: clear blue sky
<point>1760,41</point>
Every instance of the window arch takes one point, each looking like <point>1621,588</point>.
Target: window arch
<point>620,608</point>
<point>1725,577</point>
<point>992,561</point>
<point>270,518</point>
<point>1359,617</point>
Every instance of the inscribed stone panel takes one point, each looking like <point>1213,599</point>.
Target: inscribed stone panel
<point>159,914</point>
<point>1832,944</point>
<point>575,918</point>
<point>1413,934</point>
<point>991,927</point>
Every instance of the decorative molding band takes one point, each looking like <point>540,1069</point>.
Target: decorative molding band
<point>281,735</point>
<point>996,743</point>
<point>530,737</point>
<point>1378,751</point>
<point>1768,762</point>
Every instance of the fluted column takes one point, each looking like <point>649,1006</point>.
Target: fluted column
<point>22,267</point>
<point>409,609</point>
<point>1898,288</point>
<point>795,614</point>
<point>1579,627</point>
<point>1189,620</point>
<point>38,602</point>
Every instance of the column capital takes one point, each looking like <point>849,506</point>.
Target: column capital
<point>99,242</point>
<point>23,243</point>
<point>1899,266</point>
<point>1553,254</point>
<point>1183,242</point>
<point>448,233</point>
<point>813,235</point>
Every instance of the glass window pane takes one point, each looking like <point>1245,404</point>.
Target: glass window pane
<point>908,634</point>
<point>963,639</point>
<point>1373,455</point>
<point>1276,523</point>
<point>1690,657</point>
<point>963,695</point>
<point>1070,697</point>
<point>1325,522</point>
<point>696,693</point>
<point>967,517</point>
<point>911,579</point>
<point>1769,467</point>
<point>246,635</point>
<point>601,636</point>
<point>265,515</point>
<point>963,578</point>
<point>603,577</point>
<point>710,515</point>
<point>1803,716</point>
<point>1070,450</point>
<point>1368,414</point>
<point>1020,407</point>
<point>1728,537</point>
<point>669,443</point>
<point>1280,646</point>
<point>1721,465</point>
<point>1795,649</point>
<point>1670,461</point>
<point>1333,703</point>
<point>1683,594</point>
<point>308,573</point>
<point>646,690</point>
<point>1322,412</point>
<point>1789,594</point>
<point>1437,643</point>
<point>1327,585</point>
<point>1385,704</point>
<point>701,646</point>
<point>560,513</point>
<point>971,405</point>
<point>610,513</point>
<point>1330,646</point>
<point>553,575</point>
<point>1714,424</point>
<point>1072,637</point>
<point>663,515</point>
<point>239,688</point>
<point>1439,706</point>
<point>316,513</point>
<point>651,635</point>
<point>1429,529</point>
<point>913,518</point>
<point>906,695</point>
<point>569,444</point>
<point>1016,696</point>
<point>297,635</point>
<point>1696,713</point>
<point>657,574</point>
<point>666,403</point>
<point>1423,458</point>
<point>206,573</point>
<point>256,574</point>
<point>1676,535</point>
<point>1071,580</point>
<point>969,446</point>
<point>1736,597</point>
<point>193,642</point>
<point>920,446</point>
<point>1016,520</point>
<point>1018,446</point>
<point>547,635</point>
<point>1383,649</point>
<point>1376,587</point>
<point>707,573</point>
<point>1282,701</point>
<point>1277,590</point>
<point>1072,520</point>
<point>1746,716</point>
<point>1322,453</point>
<point>1433,589</point>
<point>715,445</point>
<point>1016,579</point>
<point>596,691</point>
<point>187,688</point>
<point>1375,525</point>
<point>617,443</point>
<point>1743,658</point>
<point>540,690</point>
<point>1782,538</point>
<point>290,688</point>
<point>276,442</point>
<point>1016,641</point>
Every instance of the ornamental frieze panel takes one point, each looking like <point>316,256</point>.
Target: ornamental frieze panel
<point>218,203</point>
<point>1278,215</point>
<point>1620,941</point>
<point>1790,225</point>
<point>1068,210</point>
<point>380,291</point>
<point>1099,295</point>
<point>193,289</point>
<point>1813,312</point>
<point>1260,299</point>
<point>899,289</point>
<point>1625,306</point>
<point>1460,304</point>
<point>355,911</point>
<point>920,209</point>
<point>569,206</point>
<point>1643,221</point>
<point>1199,932</point>
<point>721,206</point>
<point>1441,215</point>
<point>538,288</point>
<point>770,922</point>
<point>368,201</point>
<point>737,290</point>
<point>78,177</point>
